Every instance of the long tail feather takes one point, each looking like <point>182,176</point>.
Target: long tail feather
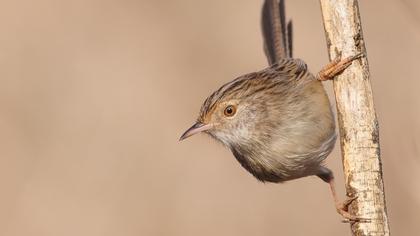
<point>277,35</point>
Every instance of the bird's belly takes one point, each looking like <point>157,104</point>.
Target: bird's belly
<point>263,170</point>
<point>284,167</point>
<point>277,172</point>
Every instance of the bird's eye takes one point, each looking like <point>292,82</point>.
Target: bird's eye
<point>230,110</point>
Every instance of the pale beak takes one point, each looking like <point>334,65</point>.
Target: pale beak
<point>196,128</point>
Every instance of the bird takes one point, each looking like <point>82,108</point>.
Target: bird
<point>278,121</point>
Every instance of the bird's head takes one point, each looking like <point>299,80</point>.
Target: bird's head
<point>231,113</point>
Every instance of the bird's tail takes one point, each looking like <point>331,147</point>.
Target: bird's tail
<point>277,35</point>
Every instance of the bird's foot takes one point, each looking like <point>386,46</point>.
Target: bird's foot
<point>336,67</point>
<point>342,209</point>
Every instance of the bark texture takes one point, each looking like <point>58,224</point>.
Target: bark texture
<point>359,132</point>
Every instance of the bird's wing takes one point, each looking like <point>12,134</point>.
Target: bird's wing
<point>289,66</point>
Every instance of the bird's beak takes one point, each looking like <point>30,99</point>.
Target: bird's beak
<point>196,128</point>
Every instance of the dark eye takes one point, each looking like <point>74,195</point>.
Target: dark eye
<point>230,110</point>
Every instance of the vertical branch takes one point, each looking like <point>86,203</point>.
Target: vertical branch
<point>359,132</point>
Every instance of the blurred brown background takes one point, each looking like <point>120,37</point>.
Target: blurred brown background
<point>95,94</point>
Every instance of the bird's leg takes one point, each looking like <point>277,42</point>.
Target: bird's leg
<point>336,67</point>
<point>343,207</point>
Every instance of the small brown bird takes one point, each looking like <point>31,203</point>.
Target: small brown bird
<point>278,121</point>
